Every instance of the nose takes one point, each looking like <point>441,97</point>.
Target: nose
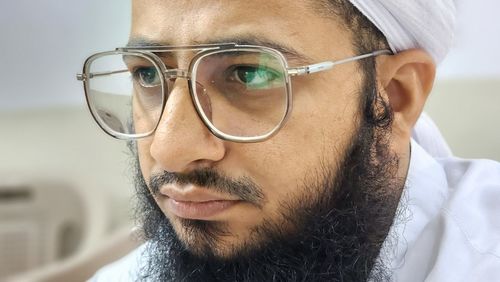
<point>181,142</point>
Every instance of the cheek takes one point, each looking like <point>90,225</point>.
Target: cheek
<point>282,164</point>
<point>317,135</point>
<point>146,162</point>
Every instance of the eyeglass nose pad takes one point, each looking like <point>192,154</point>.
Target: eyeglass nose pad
<point>204,100</point>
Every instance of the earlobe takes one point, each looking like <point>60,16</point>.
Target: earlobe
<point>407,79</point>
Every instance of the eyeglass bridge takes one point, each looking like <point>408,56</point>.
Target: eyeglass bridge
<point>177,73</point>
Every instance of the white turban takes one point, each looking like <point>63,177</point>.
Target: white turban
<point>407,24</point>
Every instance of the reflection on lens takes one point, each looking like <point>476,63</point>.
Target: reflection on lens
<point>246,89</point>
<point>111,120</point>
<point>125,93</point>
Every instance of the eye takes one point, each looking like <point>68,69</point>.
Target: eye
<point>147,77</point>
<point>256,77</point>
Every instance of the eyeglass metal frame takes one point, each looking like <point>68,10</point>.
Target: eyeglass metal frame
<point>148,52</point>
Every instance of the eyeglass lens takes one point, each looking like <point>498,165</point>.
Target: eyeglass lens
<point>241,93</point>
<point>125,93</point>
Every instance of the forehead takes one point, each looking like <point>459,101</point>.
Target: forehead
<point>181,22</point>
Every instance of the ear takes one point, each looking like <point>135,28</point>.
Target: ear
<point>406,80</point>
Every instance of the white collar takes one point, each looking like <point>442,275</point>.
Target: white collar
<point>424,193</point>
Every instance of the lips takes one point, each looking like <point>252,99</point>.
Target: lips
<point>195,203</point>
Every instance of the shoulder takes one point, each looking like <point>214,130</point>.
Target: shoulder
<point>466,172</point>
<point>452,232</point>
<point>473,203</point>
<point>469,235</point>
<point>124,270</point>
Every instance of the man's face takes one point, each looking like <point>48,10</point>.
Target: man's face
<point>314,202</point>
<point>324,120</point>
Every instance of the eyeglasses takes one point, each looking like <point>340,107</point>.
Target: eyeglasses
<point>242,93</point>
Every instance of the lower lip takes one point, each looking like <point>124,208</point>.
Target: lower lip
<point>198,210</point>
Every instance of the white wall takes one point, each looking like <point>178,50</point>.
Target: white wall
<point>44,43</point>
<point>475,52</point>
<point>467,111</point>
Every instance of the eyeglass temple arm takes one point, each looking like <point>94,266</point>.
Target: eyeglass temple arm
<point>291,71</point>
<point>83,77</point>
<point>323,66</point>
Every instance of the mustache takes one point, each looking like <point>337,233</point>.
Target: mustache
<point>243,188</point>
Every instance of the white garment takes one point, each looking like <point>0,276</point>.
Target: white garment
<point>447,226</point>
<point>125,269</point>
<point>427,135</point>
<point>448,223</point>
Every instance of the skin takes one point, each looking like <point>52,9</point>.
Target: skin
<point>325,107</point>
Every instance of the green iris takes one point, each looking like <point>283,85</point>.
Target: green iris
<point>257,77</point>
<point>147,76</point>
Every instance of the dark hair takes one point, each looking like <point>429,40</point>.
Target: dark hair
<point>366,38</point>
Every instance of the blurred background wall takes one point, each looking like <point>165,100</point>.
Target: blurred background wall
<point>53,154</point>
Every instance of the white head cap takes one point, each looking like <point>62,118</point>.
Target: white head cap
<point>407,24</point>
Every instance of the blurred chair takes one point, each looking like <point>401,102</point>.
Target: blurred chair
<point>40,222</point>
<point>83,265</point>
<point>49,230</point>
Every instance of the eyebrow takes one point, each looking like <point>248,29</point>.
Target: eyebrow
<point>289,52</point>
<point>144,42</point>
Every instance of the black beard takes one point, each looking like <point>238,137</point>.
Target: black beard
<point>337,233</point>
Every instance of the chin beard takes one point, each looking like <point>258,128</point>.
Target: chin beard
<point>334,234</point>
